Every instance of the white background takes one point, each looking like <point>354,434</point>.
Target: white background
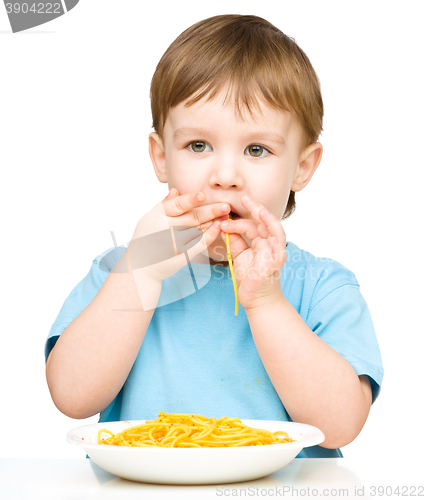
<point>74,125</point>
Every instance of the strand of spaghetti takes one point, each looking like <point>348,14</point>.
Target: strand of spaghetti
<point>229,439</point>
<point>180,438</point>
<point>231,267</point>
<point>280,433</point>
<point>199,423</point>
<point>231,431</point>
<point>104,430</point>
<point>208,431</point>
<point>242,436</point>
<point>240,442</point>
<point>200,417</point>
<point>234,421</point>
<point>151,431</point>
<point>171,436</point>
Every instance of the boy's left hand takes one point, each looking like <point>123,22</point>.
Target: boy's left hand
<point>257,269</point>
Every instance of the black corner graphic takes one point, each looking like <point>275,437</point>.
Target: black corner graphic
<point>70,4</point>
<point>26,14</point>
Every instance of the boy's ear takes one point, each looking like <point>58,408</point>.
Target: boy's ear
<point>308,162</point>
<point>158,156</point>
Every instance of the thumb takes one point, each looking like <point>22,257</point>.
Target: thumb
<point>209,236</point>
<point>172,193</point>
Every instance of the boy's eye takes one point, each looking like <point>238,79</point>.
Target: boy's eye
<point>198,146</point>
<point>257,151</point>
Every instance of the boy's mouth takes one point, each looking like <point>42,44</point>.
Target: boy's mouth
<point>234,215</point>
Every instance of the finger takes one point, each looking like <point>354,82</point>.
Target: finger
<point>173,192</point>
<point>175,205</point>
<point>239,226</point>
<point>188,212</point>
<point>215,211</point>
<point>236,242</point>
<point>279,248</point>
<point>206,225</point>
<point>208,238</point>
<point>269,221</point>
<point>249,227</point>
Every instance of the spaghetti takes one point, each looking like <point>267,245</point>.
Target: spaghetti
<point>231,267</point>
<point>186,430</point>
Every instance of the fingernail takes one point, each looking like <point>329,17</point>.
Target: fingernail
<point>200,197</point>
<point>246,198</point>
<point>224,208</point>
<point>224,224</point>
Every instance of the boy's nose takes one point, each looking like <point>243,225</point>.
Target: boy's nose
<point>228,173</point>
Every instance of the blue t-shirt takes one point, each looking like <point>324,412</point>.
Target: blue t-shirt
<point>198,357</point>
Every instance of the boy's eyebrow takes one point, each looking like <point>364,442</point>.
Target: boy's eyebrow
<point>196,131</point>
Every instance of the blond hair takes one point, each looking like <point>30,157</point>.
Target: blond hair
<point>251,58</point>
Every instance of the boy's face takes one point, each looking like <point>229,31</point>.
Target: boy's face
<point>207,147</point>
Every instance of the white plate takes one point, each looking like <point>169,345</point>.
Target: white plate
<point>195,465</point>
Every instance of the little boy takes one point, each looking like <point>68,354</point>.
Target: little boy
<point>237,111</point>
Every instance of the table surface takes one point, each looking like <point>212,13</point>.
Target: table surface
<point>82,479</point>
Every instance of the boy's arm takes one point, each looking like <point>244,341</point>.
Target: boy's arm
<point>316,384</point>
<point>95,353</point>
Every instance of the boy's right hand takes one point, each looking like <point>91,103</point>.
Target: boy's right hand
<point>152,252</point>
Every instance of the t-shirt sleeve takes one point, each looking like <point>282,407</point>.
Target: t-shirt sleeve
<point>83,294</point>
<point>340,316</point>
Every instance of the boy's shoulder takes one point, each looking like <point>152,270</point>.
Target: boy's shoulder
<point>324,266</point>
<point>320,275</point>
